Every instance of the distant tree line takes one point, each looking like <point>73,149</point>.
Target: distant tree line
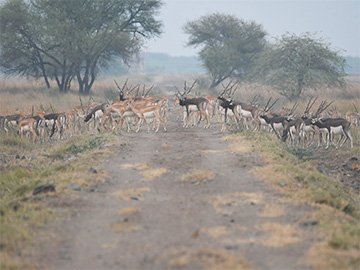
<point>72,40</point>
<point>69,40</point>
<point>237,49</point>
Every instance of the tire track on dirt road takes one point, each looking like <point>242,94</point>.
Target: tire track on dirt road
<point>180,199</point>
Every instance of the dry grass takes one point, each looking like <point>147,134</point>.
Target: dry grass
<point>145,170</point>
<point>342,238</point>
<point>279,235</point>
<point>212,151</point>
<point>125,226</point>
<point>110,245</point>
<point>129,211</point>
<point>132,193</point>
<point>22,214</point>
<point>166,146</point>
<point>205,258</point>
<point>215,232</point>
<point>135,166</point>
<point>198,176</point>
<point>272,210</point>
<point>225,203</point>
<point>18,94</point>
<point>334,207</point>
<point>323,257</point>
<point>237,145</point>
<point>273,235</point>
<point>152,174</point>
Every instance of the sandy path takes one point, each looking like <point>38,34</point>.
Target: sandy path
<point>156,212</point>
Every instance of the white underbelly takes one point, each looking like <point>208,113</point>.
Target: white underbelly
<point>278,125</point>
<point>336,130</point>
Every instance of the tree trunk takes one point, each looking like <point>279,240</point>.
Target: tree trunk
<point>86,78</point>
<point>43,71</point>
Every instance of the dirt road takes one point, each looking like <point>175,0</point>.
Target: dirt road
<point>179,200</point>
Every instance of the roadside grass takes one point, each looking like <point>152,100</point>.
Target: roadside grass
<point>25,166</point>
<point>11,143</point>
<point>204,258</point>
<point>337,208</point>
<point>198,176</point>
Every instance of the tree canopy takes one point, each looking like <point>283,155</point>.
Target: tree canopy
<point>296,63</point>
<point>229,46</point>
<point>68,39</point>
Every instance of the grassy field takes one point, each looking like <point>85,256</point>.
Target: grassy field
<point>293,171</point>
<point>24,166</point>
<point>337,208</point>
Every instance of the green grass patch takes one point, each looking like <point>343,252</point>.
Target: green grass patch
<point>346,236</point>
<point>80,145</point>
<point>11,143</point>
<point>21,213</point>
<point>301,152</point>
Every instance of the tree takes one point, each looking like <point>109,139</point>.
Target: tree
<point>297,63</point>
<point>73,38</point>
<point>229,46</point>
<point>18,38</point>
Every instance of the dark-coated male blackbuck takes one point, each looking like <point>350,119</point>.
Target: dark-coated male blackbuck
<point>200,103</point>
<point>242,111</point>
<point>227,103</point>
<point>275,121</point>
<point>300,127</point>
<point>96,114</point>
<point>332,126</point>
<point>124,95</point>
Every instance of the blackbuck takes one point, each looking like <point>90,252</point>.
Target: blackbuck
<point>125,95</point>
<point>149,112</point>
<point>353,117</point>
<point>275,121</point>
<point>11,121</point>
<point>307,129</point>
<point>212,105</point>
<point>54,122</point>
<point>122,94</point>
<point>2,122</point>
<point>295,126</point>
<point>292,129</point>
<point>331,126</point>
<point>227,106</point>
<point>117,113</point>
<point>244,112</point>
<point>323,133</point>
<point>200,103</point>
<point>335,126</point>
<point>248,113</point>
<point>27,126</point>
<point>96,114</point>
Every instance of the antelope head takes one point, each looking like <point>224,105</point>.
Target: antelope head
<point>268,106</point>
<point>309,105</point>
<point>228,92</point>
<point>187,90</point>
<point>290,114</point>
<point>322,107</point>
<point>121,90</point>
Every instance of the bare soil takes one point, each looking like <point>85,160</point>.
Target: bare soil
<point>340,166</point>
<point>180,199</point>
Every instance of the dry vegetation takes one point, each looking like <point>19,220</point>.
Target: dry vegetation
<point>22,94</point>
<point>293,171</point>
<point>24,166</point>
<point>337,208</point>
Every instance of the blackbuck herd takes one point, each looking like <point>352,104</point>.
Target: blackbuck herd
<point>136,107</point>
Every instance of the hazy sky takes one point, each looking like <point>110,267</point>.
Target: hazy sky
<point>337,22</point>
